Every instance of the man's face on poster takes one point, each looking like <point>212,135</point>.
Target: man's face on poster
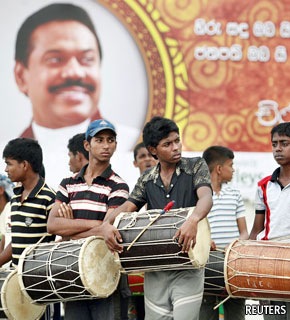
<point>62,76</point>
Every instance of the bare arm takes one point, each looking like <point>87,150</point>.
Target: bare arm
<point>127,206</point>
<point>186,234</point>
<point>2,243</point>
<point>112,236</point>
<point>6,255</point>
<point>258,225</point>
<point>67,227</point>
<point>242,225</point>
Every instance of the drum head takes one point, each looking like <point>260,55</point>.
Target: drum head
<point>15,304</point>
<point>200,253</point>
<point>99,268</point>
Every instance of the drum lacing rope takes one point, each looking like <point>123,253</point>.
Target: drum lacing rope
<point>132,222</point>
<point>133,219</point>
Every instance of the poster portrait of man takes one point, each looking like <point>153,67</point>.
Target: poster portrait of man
<point>74,62</point>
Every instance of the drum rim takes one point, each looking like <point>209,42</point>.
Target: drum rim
<point>227,286</point>
<point>5,305</point>
<point>203,223</point>
<point>84,278</point>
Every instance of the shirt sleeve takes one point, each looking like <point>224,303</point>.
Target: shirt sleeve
<point>62,193</point>
<point>119,194</point>
<point>138,194</point>
<point>201,174</point>
<point>259,200</point>
<point>241,212</point>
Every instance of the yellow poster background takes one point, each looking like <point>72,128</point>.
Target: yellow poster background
<point>220,69</point>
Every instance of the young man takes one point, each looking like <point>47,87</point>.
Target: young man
<point>175,294</point>
<point>227,223</point>
<point>32,202</point>
<point>83,201</point>
<point>272,202</point>
<point>78,155</point>
<point>60,73</point>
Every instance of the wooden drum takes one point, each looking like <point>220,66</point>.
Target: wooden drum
<point>156,250</point>
<point>258,269</point>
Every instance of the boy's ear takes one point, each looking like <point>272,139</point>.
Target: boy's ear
<point>219,168</point>
<point>152,150</point>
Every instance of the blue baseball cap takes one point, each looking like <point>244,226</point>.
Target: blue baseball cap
<point>99,125</point>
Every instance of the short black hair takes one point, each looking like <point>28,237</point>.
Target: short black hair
<point>217,155</point>
<point>138,146</point>
<point>282,129</point>
<point>76,144</point>
<point>157,129</point>
<point>25,149</point>
<point>53,12</point>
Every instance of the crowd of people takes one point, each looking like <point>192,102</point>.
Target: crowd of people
<point>61,74</point>
<point>88,201</point>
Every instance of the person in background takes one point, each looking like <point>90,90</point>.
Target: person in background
<point>31,203</point>
<point>272,204</point>
<point>227,223</point>
<point>78,155</point>
<point>143,160</point>
<point>173,294</point>
<point>82,202</point>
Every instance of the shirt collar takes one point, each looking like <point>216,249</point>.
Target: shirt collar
<point>154,172</point>
<point>18,190</point>
<point>275,175</point>
<point>106,174</point>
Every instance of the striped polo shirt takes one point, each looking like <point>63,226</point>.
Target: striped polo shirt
<point>91,202</point>
<point>29,218</point>
<point>228,206</point>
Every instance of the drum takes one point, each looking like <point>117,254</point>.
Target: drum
<point>258,269</point>
<point>156,250</point>
<point>69,270</point>
<point>4,273</point>
<point>136,283</point>
<point>15,303</point>
<point>214,282</point>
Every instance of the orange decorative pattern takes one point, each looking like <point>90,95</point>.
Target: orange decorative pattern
<point>214,101</point>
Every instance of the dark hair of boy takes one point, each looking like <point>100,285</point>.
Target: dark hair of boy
<point>25,149</point>
<point>76,144</point>
<point>217,155</point>
<point>282,129</point>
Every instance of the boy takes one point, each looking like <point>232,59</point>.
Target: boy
<point>227,223</point>
<point>272,204</point>
<point>83,201</point>
<point>32,202</point>
<point>174,294</point>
